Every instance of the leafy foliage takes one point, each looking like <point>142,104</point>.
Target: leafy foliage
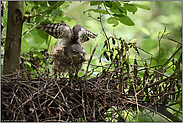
<point>117,11</point>
<point>126,81</point>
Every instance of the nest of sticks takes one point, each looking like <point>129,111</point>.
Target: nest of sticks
<point>118,88</point>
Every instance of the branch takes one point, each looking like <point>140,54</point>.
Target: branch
<point>90,61</point>
<point>100,19</point>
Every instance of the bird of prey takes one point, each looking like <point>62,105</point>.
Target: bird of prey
<point>69,55</point>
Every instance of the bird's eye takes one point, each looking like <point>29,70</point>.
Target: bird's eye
<point>75,52</point>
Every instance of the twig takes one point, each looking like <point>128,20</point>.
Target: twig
<point>171,57</point>
<point>136,100</point>
<point>90,60</point>
<point>175,41</point>
<point>37,119</point>
<point>150,69</point>
<point>42,93</point>
<point>60,90</point>
<point>100,19</point>
<point>30,30</point>
<point>151,110</point>
<point>160,37</point>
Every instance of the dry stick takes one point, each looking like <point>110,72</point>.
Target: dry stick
<point>42,93</point>
<point>90,60</point>
<point>149,115</point>
<point>60,90</point>
<point>114,113</point>
<point>149,109</point>
<point>159,39</point>
<point>37,119</point>
<point>102,26</point>
<point>74,99</point>
<point>14,95</point>
<point>150,69</point>
<point>151,104</point>
<point>13,74</point>
<point>93,108</point>
<point>175,41</point>
<point>101,109</point>
<point>155,102</point>
<point>147,86</point>
<point>171,56</point>
<point>83,103</point>
<point>53,99</point>
<point>136,101</point>
<point>89,15</point>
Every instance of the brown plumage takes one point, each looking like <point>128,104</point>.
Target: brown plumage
<point>68,58</point>
<point>69,54</point>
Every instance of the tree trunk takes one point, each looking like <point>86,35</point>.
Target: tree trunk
<point>13,37</point>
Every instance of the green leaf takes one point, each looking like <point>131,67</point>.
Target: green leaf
<point>25,47</point>
<point>108,3</point>
<point>142,6</point>
<point>57,13</point>
<point>67,18</point>
<point>115,10</point>
<point>96,11</point>
<point>124,19</point>
<point>115,4</point>
<point>42,34</point>
<point>49,12</point>
<point>123,10</point>
<point>51,3</point>
<point>130,7</point>
<point>37,19</point>
<point>43,3</point>
<point>103,12</point>
<point>112,20</point>
<point>46,21</point>
<point>119,15</point>
<point>115,24</point>
<point>93,3</point>
<point>38,40</point>
<point>147,47</point>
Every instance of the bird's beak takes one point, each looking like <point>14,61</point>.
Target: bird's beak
<point>81,55</point>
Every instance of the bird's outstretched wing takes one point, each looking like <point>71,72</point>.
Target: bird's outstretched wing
<point>81,34</point>
<point>57,30</point>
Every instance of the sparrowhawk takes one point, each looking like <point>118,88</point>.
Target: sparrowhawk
<point>69,54</point>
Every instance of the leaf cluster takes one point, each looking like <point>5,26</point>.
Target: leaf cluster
<point>117,10</point>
